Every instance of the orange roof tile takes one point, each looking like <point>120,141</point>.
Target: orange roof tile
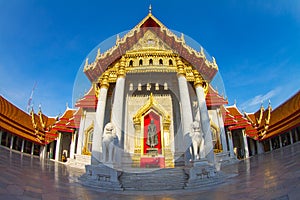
<point>213,98</point>
<point>61,124</point>
<point>284,117</point>
<point>16,121</point>
<point>88,101</point>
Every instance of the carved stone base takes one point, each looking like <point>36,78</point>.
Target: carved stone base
<point>101,176</point>
<point>201,169</point>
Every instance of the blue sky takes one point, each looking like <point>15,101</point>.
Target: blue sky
<point>256,44</point>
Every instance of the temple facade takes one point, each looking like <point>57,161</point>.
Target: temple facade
<point>151,78</point>
<point>151,104</point>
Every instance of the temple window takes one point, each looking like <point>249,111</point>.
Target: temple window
<point>88,140</point>
<point>160,62</point>
<point>130,87</point>
<point>139,87</point>
<point>170,62</point>
<point>150,62</point>
<point>130,63</point>
<point>148,86</point>
<point>141,62</point>
<point>165,86</point>
<point>156,86</point>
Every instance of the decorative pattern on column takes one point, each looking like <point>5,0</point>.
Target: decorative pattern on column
<point>97,136</point>
<point>201,86</point>
<point>186,109</point>
<point>117,109</point>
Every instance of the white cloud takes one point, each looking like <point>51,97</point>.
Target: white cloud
<point>256,101</point>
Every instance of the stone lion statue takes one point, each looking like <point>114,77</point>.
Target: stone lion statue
<point>196,135</point>
<point>109,140</point>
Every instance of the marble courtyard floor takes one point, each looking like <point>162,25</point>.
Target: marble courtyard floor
<point>272,175</point>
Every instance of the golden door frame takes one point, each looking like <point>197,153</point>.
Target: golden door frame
<point>138,120</point>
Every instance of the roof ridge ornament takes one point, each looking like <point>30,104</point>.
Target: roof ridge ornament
<point>150,8</point>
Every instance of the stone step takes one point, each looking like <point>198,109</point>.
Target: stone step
<point>163,179</point>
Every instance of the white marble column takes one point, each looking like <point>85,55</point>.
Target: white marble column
<point>72,145</point>
<point>186,109</point>
<point>205,123</point>
<point>222,131</point>
<point>230,143</point>
<point>245,144</point>
<point>11,141</point>
<point>32,148</point>
<point>291,137</point>
<point>296,135</point>
<point>80,141</point>
<point>22,147</point>
<point>43,152</point>
<point>1,136</point>
<point>51,150</point>
<point>270,143</point>
<point>57,148</point>
<point>118,103</point>
<point>280,141</point>
<point>260,147</point>
<point>99,123</point>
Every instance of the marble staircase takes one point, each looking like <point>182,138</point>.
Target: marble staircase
<point>161,179</point>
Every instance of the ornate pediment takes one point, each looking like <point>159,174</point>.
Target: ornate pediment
<point>150,41</point>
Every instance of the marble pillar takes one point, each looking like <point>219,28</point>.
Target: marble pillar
<point>72,145</point>
<point>32,149</point>
<point>205,123</point>
<point>22,147</point>
<point>291,137</point>
<point>118,103</point>
<point>280,141</point>
<point>43,152</point>
<point>57,149</point>
<point>185,108</point>
<point>260,147</point>
<point>230,143</point>
<point>11,141</point>
<point>245,144</point>
<point>80,141</point>
<point>270,143</point>
<point>1,136</point>
<point>99,123</point>
<point>222,131</point>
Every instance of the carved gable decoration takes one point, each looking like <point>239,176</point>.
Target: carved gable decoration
<point>150,41</point>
